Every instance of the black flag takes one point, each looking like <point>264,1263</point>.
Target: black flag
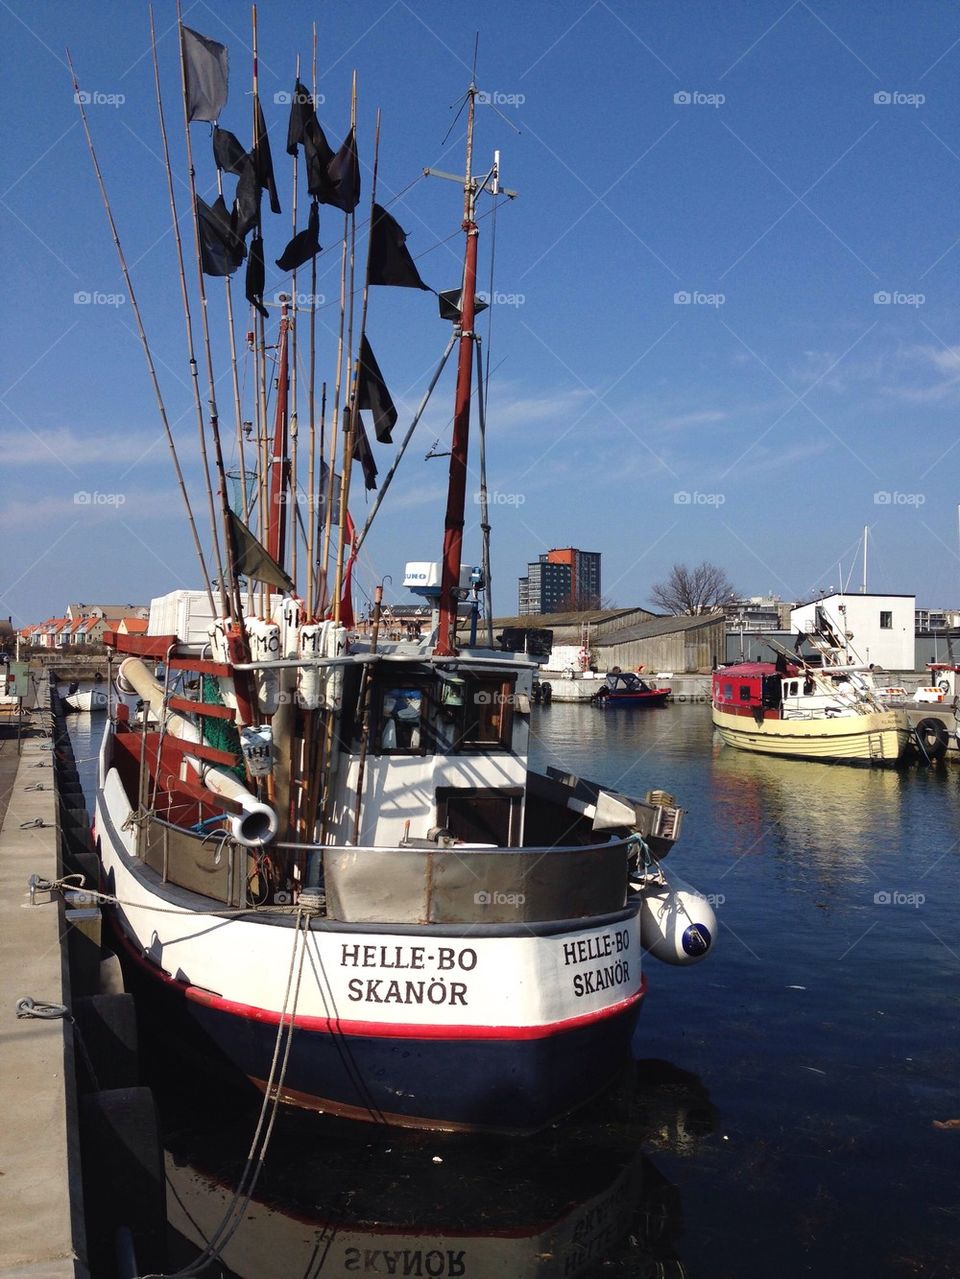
<point>372,394</point>
<point>221,250</point>
<point>343,171</point>
<point>256,276</point>
<point>206,65</point>
<point>228,153</point>
<point>301,113</point>
<point>304,245</point>
<point>363,454</point>
<point>246,207</point>
<point>264,160</point>
<point>318,153</point>
<point>253,558</point>
<point>390,261</point>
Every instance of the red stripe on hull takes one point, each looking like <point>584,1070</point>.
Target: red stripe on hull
<point>413,1030</point>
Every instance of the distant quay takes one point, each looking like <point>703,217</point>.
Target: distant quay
<point>67,666</point>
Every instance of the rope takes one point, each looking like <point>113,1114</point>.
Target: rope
<point>107,899</point>
<point>39,1008</point>
<point>234,1216</point>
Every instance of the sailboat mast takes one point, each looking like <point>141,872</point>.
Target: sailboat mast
<point>457,485</point>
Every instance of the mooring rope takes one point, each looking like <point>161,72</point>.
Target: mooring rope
<point>259,1145</point>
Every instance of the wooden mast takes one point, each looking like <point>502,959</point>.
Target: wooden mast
<point>279,461</point>
<point>457,487</point>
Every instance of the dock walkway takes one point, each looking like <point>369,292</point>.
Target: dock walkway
<point>38,1158</point>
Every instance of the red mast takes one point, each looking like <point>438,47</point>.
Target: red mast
<point>457,486</point>
<point>279,462</point>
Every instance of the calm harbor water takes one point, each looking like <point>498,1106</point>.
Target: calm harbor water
<point>780,1118</point>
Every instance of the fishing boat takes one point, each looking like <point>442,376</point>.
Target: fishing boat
<point>326,856</point>
<point>626,688</point>
<point>822,707</point>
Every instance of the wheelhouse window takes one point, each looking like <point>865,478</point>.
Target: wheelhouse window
<point>402,718</point>
<point>488,705</point>
<point>746,693</point>
<point>886,621</point>
<point>728,692</point>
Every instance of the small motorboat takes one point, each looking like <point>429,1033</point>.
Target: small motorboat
<point>87,699</point>
<point>625,688</point>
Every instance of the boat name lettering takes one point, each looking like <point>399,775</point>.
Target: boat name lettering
<point>597,947</point>
<point>406,1261</point>
<point>415,957</point>
<point>601,978</point>
<point>378,990</point>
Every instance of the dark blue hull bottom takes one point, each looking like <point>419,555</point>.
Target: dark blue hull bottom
<point>489,1084</point>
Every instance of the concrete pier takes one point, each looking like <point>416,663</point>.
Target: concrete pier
<point>41,1224</point>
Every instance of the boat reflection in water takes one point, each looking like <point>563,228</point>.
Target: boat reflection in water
<point>825,809</point>
<point>331,1201</point>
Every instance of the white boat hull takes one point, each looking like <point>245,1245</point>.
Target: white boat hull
<point>880,737</point>
<point>469,1027</point>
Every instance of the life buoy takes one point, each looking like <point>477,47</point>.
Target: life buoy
<point>932,737</point>
<point>944,686</point>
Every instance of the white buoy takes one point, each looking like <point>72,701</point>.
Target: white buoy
<point>677,924</point>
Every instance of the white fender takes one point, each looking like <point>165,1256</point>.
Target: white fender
<point>677,924</point>
<point>218,646</point>
<point>265,647</point>
<point>308,677</point>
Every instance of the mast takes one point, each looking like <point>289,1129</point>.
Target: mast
<point>457,486</point>
<point>294,421</point>
<point>279,461</point>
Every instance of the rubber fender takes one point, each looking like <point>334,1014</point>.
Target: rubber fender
<point>123,1177</point>
<point>933,736</point>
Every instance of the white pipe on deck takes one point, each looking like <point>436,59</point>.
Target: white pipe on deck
<point>257,824</point>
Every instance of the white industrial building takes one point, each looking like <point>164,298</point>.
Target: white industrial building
<point>879,629</point>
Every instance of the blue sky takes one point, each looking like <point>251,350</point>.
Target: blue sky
<point>792,170</point>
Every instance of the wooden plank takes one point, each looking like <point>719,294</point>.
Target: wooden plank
<point>191,707</point>
<point>201,667</point>
<point>156,646</point>
<point>200,750</point>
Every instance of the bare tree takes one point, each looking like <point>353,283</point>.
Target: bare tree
<point>703,589</point>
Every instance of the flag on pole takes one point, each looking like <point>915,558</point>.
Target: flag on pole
<point>252,557</point>
<point>390,261</point>
<point>263,160</point>
<point>346,595</point>
<point>256,276</point>
<point>362,453</point>
<point>343,172</point>
<point>372,394</point>
<point>221,249</point>
<point>206,67</point>
<point>304,245</point>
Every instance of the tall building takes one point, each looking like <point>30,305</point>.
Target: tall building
<point>562,580</point>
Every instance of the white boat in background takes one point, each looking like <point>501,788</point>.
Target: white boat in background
<point>87,699</point>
